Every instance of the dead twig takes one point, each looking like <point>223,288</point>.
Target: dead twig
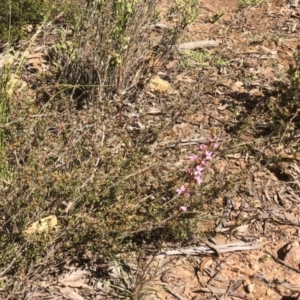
<point>282,262</point>
<point>205,250</point>
<point>168,289</point>
<point>198,44</point>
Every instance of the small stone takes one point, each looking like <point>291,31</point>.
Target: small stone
<point>250,288</point>
<point>290,253</point>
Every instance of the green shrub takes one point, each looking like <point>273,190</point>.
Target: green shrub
<point>17,13</point>
<point>285,107</point>
<point>73,140</point>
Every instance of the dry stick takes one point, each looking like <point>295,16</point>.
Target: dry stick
<point>282,262</point>
<point>187,46</point>
<point>158,26</point>
<point>22,119</point>
<point>284,222</point>
<point>13,260</point>
<point>217,272</point>
<point>212,291</point>
<point>212,246</point>
<point>190,142</point>
<point>206,284</point>
<point>166,286</point>
<point>198,44</point>
<point>141,171</point>
<point>225,248</point>
<point>233,287</point>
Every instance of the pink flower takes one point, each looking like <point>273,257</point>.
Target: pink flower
<point>198,171</point>
<point>203,147</point>
<point>193,157</point>
<point>183,208</point>
<point>188,170</point>
<point>216,145</point>
<point>181,190</point>
<point>208,155</point>
<point>198,179</point>
<point>203,162</point>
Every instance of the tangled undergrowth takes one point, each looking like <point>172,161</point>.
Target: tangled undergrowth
<point>80,140</point>
<point>77,144</point>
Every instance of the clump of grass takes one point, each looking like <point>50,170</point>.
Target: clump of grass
<point>285,107</point>
<point>195,58</point>
<point>246,3</point>
<point>20,18</point>
<point>278,114</point>
<point>3,120</point>
<point>135,283</point>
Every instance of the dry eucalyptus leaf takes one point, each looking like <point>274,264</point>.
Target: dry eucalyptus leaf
<point>76,284</point>
<point>172,64</point>
<point>154,111</point>
<point>238,86</point>
<point>163,260</point>
<point>70,294</point>
<point>73,276</point>
<point>205,263</point>
<point>216,290</point>
<point>222,107</point>
<point>241,229</point>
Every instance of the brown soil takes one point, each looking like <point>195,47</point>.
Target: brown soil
<point>262,39</point>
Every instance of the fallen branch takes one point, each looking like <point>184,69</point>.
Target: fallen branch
<point>158,26</point>
<point>197,45</point>
<point>282,262</point>
<point>205,250</point>
<point>172,292</point>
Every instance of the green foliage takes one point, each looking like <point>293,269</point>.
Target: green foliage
<point>195,58</point>
<point>17,13</point>
<point>294,72</point>
<point>19,18</point>
<point>68,141</point>
<point>6,89</point>
<point>216,17</point>
<point>246,3</point>
<point>286,107</point>
<point>187,11</point>
<point>3,120</point>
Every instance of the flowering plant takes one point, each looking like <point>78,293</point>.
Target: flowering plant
<point>199,162</point>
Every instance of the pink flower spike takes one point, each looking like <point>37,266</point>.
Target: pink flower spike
<point>193,157</point>
<point>183,208</point>
<point>203,147</point>
<point>208,155</point>
<point>181,190</point>
<point>216,145</point>
<point>198,179</point>
<point>198,171</point>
